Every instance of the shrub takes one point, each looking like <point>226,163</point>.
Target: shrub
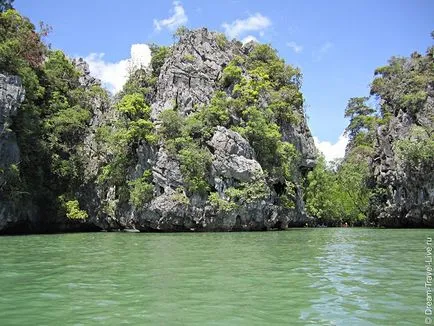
<point>20,44</point>
<point>73,211</point>
<point>250,87</point>
<point>180,196</point>
<point>171,124</point>
<point>134,106</point>
<point>248,192</point>
<point>417,149</point>
<point>189,58</point>
<point>159,56</point>
<point>180,32</point>
<point>262,135</point>
<point>337,195</point>
<point>231,74</point>
<point>261,53</point>
<point>286,104</point>
<point>10,181</point>
<point>221,40</point>
<point>221,204</point>
<point>195,162</point>
<point>141,189</point>
<point>68,125</point>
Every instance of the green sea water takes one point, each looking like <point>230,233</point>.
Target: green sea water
<point>331,276</point>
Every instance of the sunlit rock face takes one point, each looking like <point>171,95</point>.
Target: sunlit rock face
<point>188,80</point>
<point>190,75</point>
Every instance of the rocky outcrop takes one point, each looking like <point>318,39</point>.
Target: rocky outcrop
<point>188,79</point>
<point>14,217</point>
<point>189,76</point>
<point>85,79</point>
<point>233,163</point>
<point>234,160</point>
<point>301,137</point>
<point>405,188</point>
<point>11,96</point>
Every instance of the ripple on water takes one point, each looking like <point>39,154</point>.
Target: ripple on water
<point>302,276</point>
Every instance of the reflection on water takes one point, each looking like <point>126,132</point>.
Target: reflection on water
<point>297,277</point>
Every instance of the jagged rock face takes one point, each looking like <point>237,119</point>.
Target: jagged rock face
<point>11,95</point>
<point>166,172</point>
<point>172,210</point>
<point>189,76</point>
<point>301,137</point>
<point>86,79</point>
<point>233,163</point>
<point>408,191</point>
<point>234,159</point>
<point>188,80</point>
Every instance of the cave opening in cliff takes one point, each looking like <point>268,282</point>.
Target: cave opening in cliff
<point>279,188</point>
<point>279,225</point>
<point>238,225</point>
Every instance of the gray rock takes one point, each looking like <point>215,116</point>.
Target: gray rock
<point>229,142</point>
<point>236,167</point>
<point>300,136</point>
<point>166,172</point>
<point>11,95</point>
<point>188,78</point>
<point>408,191</point>
<point>86,79</point>
<point>233,160</point>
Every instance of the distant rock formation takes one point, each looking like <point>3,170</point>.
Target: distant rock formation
<point>407,196</point>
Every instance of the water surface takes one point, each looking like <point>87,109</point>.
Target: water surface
<point>295,277</point>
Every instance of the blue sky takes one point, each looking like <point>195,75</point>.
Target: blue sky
<point>337,44</point>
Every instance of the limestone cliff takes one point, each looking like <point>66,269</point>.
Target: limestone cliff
<point>190,74</point>
<point>406,188</point>
<point>13,214</point>
<point>189,78</point>
<point>403,164</point>
<point>242,192</point>
<point>11,96</point>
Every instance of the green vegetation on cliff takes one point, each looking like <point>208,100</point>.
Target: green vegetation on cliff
<point>241,104</point>
<point>396,134</point>
<point>75,139</point>
<point>256,95</point>
<point>52,122</point>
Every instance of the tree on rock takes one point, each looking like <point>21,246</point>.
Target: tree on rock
<point>361,129</point>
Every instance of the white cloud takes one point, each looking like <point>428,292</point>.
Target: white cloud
<point>332,151</point>
<point>318,55</point>
<point>114,74</point>
<point>178,18</point>
<point>257,22</point>
<point>249,38</point>
<point>297,48</point>
<point>140,55</point>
